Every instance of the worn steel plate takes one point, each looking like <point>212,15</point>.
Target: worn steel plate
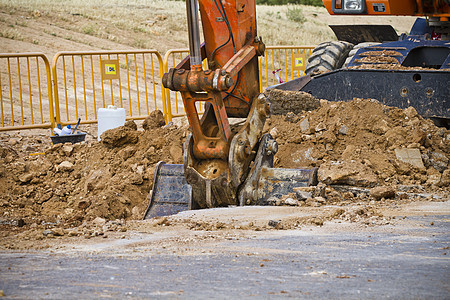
<point>171,193</point>
<point>356,34</point>
<point>425,90</point>
<point>275,182</point>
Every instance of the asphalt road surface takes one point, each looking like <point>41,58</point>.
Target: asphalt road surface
<point>407,261</point>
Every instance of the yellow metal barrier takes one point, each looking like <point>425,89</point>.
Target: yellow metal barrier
<point>26,99</point>
<point>88,80</point>
<point>284,62</point>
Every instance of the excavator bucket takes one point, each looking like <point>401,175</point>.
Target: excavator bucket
<point>171,193</point>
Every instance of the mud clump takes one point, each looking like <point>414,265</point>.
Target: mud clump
<point>377,59</point>
<point>154,120</point>
<point>122,135</point>
<point>380,192</point>
<point>348,172</point>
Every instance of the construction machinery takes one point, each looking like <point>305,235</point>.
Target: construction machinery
<point>372,61</point>
<point>233,164</point>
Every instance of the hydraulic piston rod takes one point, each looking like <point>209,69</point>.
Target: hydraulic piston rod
<point>194,34</point>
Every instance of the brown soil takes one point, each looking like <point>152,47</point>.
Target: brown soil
<point>390,66</point>
<point>382,53</point>
<point>95,189</point>
<point>364,135</point>
<point>377,60</point>
<point>68,184</point>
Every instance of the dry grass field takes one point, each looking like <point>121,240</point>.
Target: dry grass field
<point>50,26</point>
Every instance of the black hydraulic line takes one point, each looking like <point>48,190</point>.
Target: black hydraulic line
<point>234,87</point>
<point>215,50</point>
<point>230,32</point>
<point>228,25</point>
<point>230,94</point>
<point>230,36</point>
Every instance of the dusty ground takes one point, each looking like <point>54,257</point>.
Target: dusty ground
<point>195,228</point>
<point>95,189</point>
<point>237,252</point>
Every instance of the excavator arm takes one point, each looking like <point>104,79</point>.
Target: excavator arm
<point>223,165</point>
<point>230,165</point>
<point>216,160</point>
<point>230,84</point>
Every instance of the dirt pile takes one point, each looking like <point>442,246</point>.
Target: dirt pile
<point>95,189</point>
<point>355,143</point>
<point>68,184</point>
<point>385,64</point>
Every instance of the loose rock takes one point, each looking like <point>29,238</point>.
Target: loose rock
<point>382,192</point>
<point>65,166</point>
<point>119,136</point>
<point>347,172</point>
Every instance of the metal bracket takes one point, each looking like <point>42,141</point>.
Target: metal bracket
<point>215,182</point>
<point>209,179</point>
<point>264,181</point>
<point>246,140</point>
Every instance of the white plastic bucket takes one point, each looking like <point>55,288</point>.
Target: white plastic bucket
<point>109,118</point>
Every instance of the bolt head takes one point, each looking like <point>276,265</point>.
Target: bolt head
<point>247,150</point>
<point>271,147</point>
<point>190,178</point>
<point>229,82</point>
<point>224,182</point>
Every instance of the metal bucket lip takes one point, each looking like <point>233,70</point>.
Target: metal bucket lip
<point>169,199</point>
<point>150,195</point>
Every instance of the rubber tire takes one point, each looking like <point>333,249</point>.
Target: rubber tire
<point>355,49</point>
<point>328,56</point>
